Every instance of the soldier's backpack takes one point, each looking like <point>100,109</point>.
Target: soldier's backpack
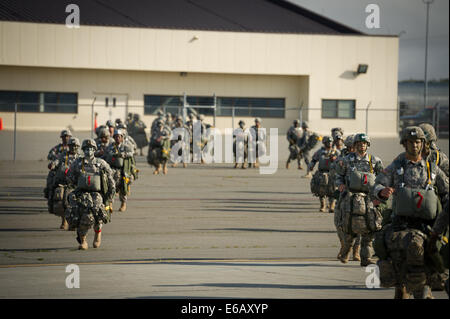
<point>320,183</point>
<point>362,181</point>
<point>421,203</point>
<point>114,160</point>
<point>325,162</point>
<point>58,200</point>
<point>313,139</point>
<point>89,182</point>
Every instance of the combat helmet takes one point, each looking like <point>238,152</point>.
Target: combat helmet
<point>326,139</point>
<point>361,137</point>
<point>296,122</point>
<point>241,122</point>
<point>258,120</point>
<point>118,131</point>
<point>430,133</point>
<point>110,123</point>
<point>305,124</point>
<point>74,141</point>
<point>201,117</point>
<point>349,140</point>
<point>89,143</point>
<point>104,132</point>
<point>412,133</point>
<point>65,133</point>
<point>337,132</point>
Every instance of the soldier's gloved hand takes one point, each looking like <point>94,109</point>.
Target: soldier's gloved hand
<point>386,192</point>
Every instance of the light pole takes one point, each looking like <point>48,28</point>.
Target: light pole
<point>425,93</point>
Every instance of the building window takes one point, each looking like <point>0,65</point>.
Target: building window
<point>38,102</point>
<point>251,106</point>
<point>243,106</point>
<point>338,109</point>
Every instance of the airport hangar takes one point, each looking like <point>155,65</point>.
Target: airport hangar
<point>264,58</point>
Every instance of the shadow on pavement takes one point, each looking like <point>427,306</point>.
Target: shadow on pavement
<point>273,230</point>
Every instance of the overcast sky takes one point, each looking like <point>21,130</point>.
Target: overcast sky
<point>405,17</point>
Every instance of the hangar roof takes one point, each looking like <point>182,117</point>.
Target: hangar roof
<point>266,16</point>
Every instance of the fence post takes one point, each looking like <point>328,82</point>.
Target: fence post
<point>232,117</point>
<point>215,107</point>
<point>92,117</point>
<point>15,129</point>
<point>437,119</point>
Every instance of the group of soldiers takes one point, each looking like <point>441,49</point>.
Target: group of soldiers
<point>82,184</point>
<point>397,213</point>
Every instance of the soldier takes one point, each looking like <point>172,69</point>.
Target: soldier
<point>169,120</point>
<point>104,140</point>
<point>439,228</point>
<point>321,183</point>
<point>257,136</point>
<point>337,134</point>
<point>307,143</point>
<point>61,147</point>
<point>431,150</point>
<point>129,120</point>
<point>89,205</point>
<point>139,135</point>
<point>338,221</point>
<point>240,145</point>
<point>181,130</point>
<point>160,116</point>
<point>203,131</point>
<point>127,138</point>
<point>60,187</point>
<point>111,127</point>
<point>190,125</point>
<point>355,176</point>
<point>97,132</point>
<point>293,136</point>
<point>53,155</point>
<point>159,148</point>
<point>418,187</point>
<point>119,156</point>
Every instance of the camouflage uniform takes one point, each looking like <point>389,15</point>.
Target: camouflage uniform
<point>116,153</point>
<point>305,145</point>
<point>431,151</point>
<point>404,258</point>
<point>293,136</point>
<point>182,138</point>
<point>138,132</point>
<point>240,145</point>
<point>89,208</point>
<point>52,156</point>
<point>359,216</point>
<point>321,184</point>
<point>61,187</point>
<point>101,146</point>
<point>258,138</point>
<point>159,148</point>
<point>338,218</point>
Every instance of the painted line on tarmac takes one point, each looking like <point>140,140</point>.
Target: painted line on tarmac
<point>168,261</point>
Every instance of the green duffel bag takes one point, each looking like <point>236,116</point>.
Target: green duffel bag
<point>114,160</point>
<point>361,181</point>
<point>417,203</point>
<point>89,182</point>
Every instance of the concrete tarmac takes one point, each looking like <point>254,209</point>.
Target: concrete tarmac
<point>204,231</point>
